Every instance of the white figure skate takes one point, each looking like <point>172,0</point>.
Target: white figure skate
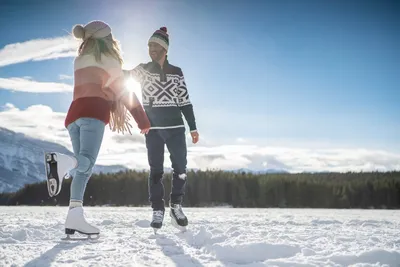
<point>57,166</point>
<point>76,222</point>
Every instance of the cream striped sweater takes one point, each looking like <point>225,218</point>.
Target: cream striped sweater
<point>96,87</point>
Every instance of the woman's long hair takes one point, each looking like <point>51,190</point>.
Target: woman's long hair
<point>119,116</point>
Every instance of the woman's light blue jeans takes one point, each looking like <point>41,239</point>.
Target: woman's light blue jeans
<point>86,137</point>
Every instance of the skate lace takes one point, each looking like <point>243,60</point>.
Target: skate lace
<point>178,211</point>
<point>157,216</point>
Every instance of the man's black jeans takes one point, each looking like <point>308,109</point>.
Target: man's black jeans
<point>175,140</point>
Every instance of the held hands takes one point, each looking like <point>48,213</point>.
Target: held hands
<point>145,131</point>
<point>141,119</point>
<point>195,137</point>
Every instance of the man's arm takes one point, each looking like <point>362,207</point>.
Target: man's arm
<point>116,83</point>
<point>136,73</point>
<point>184,103</point>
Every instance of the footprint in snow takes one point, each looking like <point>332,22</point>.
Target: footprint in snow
<point>143,223</point>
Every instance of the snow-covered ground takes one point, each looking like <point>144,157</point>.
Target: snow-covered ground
<point>30,236</point>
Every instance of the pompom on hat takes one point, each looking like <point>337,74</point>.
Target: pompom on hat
<point>94,29</point>
<point>161,37</point>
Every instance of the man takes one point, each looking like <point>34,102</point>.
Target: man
<point>165,98</point>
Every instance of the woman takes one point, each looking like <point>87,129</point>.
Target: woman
<point>99,98</point>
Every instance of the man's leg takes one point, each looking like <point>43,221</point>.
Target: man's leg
<point>176,144</point>
<point>155,154</point>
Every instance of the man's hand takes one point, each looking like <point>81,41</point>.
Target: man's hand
<point>145,131</point>
<point>195,137</point>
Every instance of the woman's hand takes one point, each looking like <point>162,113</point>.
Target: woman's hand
<point>145,131</point>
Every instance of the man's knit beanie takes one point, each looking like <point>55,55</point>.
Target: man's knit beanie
<point>161,37</point>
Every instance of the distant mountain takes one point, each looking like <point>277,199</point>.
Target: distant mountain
<point>21,160</point>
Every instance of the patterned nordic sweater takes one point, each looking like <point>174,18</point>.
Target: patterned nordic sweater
<point>164,95</point>
<point>96,86</point>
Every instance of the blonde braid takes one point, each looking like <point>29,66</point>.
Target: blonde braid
<point>119,118</point>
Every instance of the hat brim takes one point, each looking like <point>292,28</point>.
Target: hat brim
<point>159,41</point>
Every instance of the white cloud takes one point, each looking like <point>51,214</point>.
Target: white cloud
<point>42,122</point>
<point>38,49</point>
<point>8,106</point>
<point>65,77</point>
<point>31,86</point>
<point>37,121</point>
<point>56,55</point>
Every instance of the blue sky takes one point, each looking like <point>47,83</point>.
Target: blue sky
<point>303,71</point>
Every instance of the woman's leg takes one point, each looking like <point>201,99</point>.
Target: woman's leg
<point>74,133</point>
<point>89,138</point>
<point>91,133</point>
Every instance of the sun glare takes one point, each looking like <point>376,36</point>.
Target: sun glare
<point>133,86</point>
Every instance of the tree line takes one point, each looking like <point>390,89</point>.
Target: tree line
<point>379,190</point>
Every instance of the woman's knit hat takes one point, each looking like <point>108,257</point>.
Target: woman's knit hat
<point>161,37</point>
<point>94,29</point>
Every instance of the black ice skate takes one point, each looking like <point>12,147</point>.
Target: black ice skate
<point>178,218</point>
<point>157,220</point>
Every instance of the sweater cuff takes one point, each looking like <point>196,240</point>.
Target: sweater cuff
<point>140,117</point>
<point>187,111</point>
<point>192,125</point>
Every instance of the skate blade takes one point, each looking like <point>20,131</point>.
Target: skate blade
<point>70,235</point>
<point>177,226</point>
<point>81,238</point>
<point>52,182</point>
